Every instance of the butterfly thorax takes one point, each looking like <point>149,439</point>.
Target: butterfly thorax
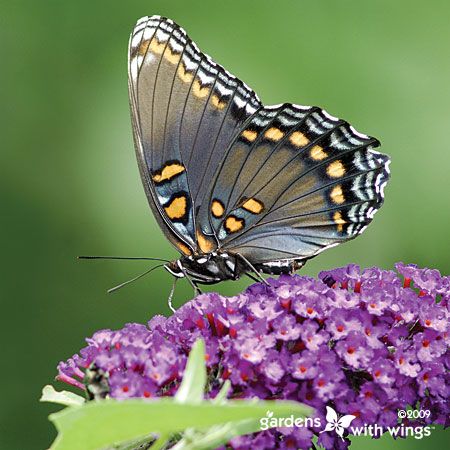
<point>207,268</point>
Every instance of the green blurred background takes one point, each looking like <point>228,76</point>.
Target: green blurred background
<point>70,183</point>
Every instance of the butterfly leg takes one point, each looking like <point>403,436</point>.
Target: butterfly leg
<point>192,283</point>
<point>252,277</point>
<point>198,291</point>
<point>252,268</point>
<point>172,291</point>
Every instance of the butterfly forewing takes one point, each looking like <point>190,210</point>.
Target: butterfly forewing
<point>186,110</point>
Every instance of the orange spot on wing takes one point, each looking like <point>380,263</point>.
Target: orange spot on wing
<point>184,75</point>
<point>234,224</point>
<point>142,50</point>
<point>274,134</point>
<point>218,102</point>
<point>317,153</point>
<point>184,249</point>
<point>177,208</point>
<point>168,172</point>
<point>157,47</point>
<point>217,208</point>
<point>171,56</point>
<point>250,135</point>
<point>339,221</point>
<point>298,139</point>
<point>205,244</point>
<point>337,195</point>
<point>199,90</point>
<point>254,206</point>
<point>336,169</point>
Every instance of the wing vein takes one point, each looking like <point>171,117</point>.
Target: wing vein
<point>154,90</point>
<point>257,225</point>
<point>170,102</point>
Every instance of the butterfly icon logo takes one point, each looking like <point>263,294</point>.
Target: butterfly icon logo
<point>337,424</point>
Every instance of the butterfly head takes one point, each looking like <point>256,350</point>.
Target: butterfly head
<point>207,268</point>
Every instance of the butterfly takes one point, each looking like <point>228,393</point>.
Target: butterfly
<point>236,186</point>
<point>336,424</point>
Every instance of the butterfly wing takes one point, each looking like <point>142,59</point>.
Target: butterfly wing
<point>294,182</point>
<point>346,420</point>
<point>287,181</point>
<point>186,110</point>
<point>331,415</point>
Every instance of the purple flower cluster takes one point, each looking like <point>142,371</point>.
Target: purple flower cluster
<point>366,343</point>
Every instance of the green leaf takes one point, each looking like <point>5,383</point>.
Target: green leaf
<point>66,398</point>
<point>96,425</point>
<point>219,435</point>
<point>215,436</point>
<point>192,387</point>
<point>221,396</point>
<point>136,443</point>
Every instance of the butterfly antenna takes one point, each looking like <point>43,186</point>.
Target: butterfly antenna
<point>121,285</point>
<point>125,257</point>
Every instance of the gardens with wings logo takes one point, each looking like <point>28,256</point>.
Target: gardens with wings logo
<point>334,423</point>
<point>341,424</point>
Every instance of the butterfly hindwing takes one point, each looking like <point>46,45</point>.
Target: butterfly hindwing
<point>295,181</point>
<point>186,110</point>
